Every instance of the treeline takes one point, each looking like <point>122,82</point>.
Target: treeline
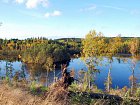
<point>73,44</point>
<point>125,43</point>
<point>41,50</point>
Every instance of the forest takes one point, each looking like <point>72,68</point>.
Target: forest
<point>51,54</point>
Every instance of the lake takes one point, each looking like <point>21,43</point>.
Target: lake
<point>120,72</point>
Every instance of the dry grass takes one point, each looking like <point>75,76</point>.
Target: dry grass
<point>19,96</point>
<point>57,96</point>
<point>16,96</point>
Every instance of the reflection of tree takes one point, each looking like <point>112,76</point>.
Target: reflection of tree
<point>0,66</point>
<point>8,59</point>
<point>54,75</point>
<point>9,70</point>
<point>43,79</point>
<point>119,59</point>
<point>34,71</point>
<point>22,73</point>
<point>49,67</point>
<point>39,74</point>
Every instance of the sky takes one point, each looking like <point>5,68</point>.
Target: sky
<point>68,18</point>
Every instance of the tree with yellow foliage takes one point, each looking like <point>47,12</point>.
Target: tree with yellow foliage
<point>94,48</point>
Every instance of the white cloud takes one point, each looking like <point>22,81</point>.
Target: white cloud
<point>47,15</point>
<point>54,13</point>
<point>92,7</point>
<point>33,3</point>
<point>116,8</point>
<point>95,8</point>
<point>19,1</point>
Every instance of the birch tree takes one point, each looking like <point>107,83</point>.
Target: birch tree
<point>93,49</point>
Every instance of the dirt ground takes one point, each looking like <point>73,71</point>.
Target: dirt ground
<point>18,96</point>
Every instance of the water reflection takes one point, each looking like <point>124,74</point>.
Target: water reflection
<point>9,70</point>
<point>42,76</point>
<point>120,73</point>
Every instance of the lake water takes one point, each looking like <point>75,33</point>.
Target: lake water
<point>120,73</point>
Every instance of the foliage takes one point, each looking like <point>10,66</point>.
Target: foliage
<point>80,99</point>
<point>134,46</point>
<point>46,55</point>
<point>94,47</point>
<point>33,50</point>
<point>137,94</point>
<point>37,90</point>
<point>114,46</point>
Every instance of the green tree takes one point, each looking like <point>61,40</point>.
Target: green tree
<point>113,48</point>
<point>94,48</point>
<point>134,50</point>
<point>134,46</point>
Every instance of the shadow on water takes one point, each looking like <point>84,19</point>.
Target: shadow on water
<point>14,69</point>
<point>121,71</point>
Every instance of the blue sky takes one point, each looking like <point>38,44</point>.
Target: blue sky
<point>68,18</point>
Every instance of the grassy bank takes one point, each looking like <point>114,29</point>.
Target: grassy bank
<point>22,93</point>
